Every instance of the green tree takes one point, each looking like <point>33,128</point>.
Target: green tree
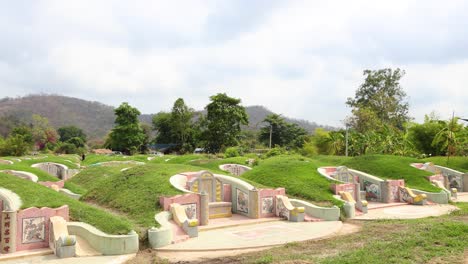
<point>422,136</point>
<point>224,118</point>
<point>163,126</point>
<point>127,135</point>
<point>447,136</point>
<point>282,133</point>
<point>14,145</point>
<point>43,133</point>
<point>181,122</point>
<point>68,132</point>
<point>380,98</point>
<point>25,132</point>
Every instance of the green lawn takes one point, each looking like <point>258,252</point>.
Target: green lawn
<point>67,160</point>
<point>92,176</point>
<point>430,240</point>
<point>385,167</point>
<point>22,166</point>
<point>94,158</point>
<point>134,192</point>
<point>26,162</point>
<point>213,164</point>
<point>33,194</point>
<point>456,163</point>
<point>297,174</point>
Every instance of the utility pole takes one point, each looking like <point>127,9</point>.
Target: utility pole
<point>346,140</point>
<point>271,132</point>
<point>450,137</point>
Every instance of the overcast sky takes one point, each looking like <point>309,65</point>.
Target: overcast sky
<point>298,58</point>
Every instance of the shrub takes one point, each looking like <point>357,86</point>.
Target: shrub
<point>231,152</point>
<point>14,146</point>
<point>66,148</point>
<point>275,152</point>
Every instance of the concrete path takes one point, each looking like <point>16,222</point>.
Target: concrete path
<point>52,259</point>
<point>407,212</point>
<point>462,197</point>
<point>181,256</point>
<point>255,236</point>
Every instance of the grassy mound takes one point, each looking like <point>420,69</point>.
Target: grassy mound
<point>26,162</point>
<point>68,160</point>
<point>456,163</point>
<point>297,174</point>
<point>134,192</point>
<point>386,167</point>
<point>92,176</point>
<point>33,194</point>
<point>213,164</point>
<point>94,158</point>
<point>20,166</point>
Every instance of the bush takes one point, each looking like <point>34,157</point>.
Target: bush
<point>276,151</point>
<point>309,149</point>
<point>231,152</point>
<point>14,146</point>
<point>66,148</point>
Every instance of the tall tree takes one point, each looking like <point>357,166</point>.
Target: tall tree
<point>68,132</point>
<point>380,98</point>
<point>447,136</point>
<point>177,127</point>
<point>224,118</point>
<point>282,133</point>
<point>181,122</point>
<point>163,127</point>
<point>127,135</point>
<point>43,133</point>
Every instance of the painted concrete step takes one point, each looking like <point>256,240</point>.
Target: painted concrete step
<point>308,218</point>
<point>84,249</point>
<point>359,213</point>
<point>179,239</point>
<point>178,233</point>
<point>235,220</point>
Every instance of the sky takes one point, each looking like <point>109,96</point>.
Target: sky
<point>301,59</point>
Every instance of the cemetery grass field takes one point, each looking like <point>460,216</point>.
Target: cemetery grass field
<point>36,195</point>
<point>386,167</point>
<point>129,200</point>
<point>298,175</point>
<point>441,239</point>
<point>456,163</point>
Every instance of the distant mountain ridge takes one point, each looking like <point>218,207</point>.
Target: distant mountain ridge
<point>95,118</point>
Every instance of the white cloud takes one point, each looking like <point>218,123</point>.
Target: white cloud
<point>299,58</point>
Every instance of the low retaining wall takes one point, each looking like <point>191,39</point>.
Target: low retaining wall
<point>235,169</point>
<point>326,213</point>
<point>105,243</point>
<point>56,169</point>
<point>440,198</point>
<point>22,174</point>
<point>70,194</point>
<point>159,237</point>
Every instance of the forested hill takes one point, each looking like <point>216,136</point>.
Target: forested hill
<point>95,118</point>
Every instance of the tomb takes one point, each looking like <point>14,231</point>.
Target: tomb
<point>218,200</point>
<point>362,192</point>
<point>453,182</point>
<point>49,228</point>
<point>235,169</point>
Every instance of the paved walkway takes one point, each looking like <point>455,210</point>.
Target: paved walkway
<point>462,197</point>
<point>52,259</point>
<point>235,220</point>
<point>407,212</point>
<point>255,236</point>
